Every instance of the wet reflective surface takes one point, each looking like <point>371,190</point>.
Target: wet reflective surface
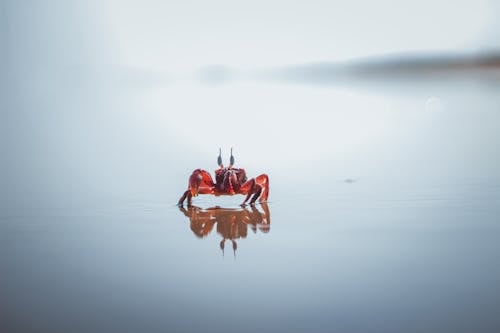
<point>384,212</point>
<point>231,223</point>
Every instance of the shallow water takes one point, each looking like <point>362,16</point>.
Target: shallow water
<point>393,229</point>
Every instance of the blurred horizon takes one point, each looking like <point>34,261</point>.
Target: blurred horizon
<point>160,35</point>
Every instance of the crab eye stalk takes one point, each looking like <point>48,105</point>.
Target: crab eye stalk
<point>219,159</point>
<point>231,159</point>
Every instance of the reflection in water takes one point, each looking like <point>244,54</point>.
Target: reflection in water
<point>232,223</point>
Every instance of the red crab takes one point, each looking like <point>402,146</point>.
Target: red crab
<point>228,181</point>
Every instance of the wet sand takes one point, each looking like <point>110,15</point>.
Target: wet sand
<point>382,216</point>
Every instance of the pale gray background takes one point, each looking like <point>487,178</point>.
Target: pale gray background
<point>104,116</point>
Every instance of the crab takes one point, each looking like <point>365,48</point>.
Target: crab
<point>228,181</point>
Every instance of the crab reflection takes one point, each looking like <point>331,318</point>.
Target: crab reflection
<point>231,223</point>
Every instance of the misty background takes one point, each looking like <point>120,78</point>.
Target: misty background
<point>101,97</point>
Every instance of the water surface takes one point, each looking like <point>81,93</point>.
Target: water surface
<point>382,215</point>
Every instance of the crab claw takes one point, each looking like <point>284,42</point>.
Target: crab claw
<point>200,182</point>
<point>194,182</point>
